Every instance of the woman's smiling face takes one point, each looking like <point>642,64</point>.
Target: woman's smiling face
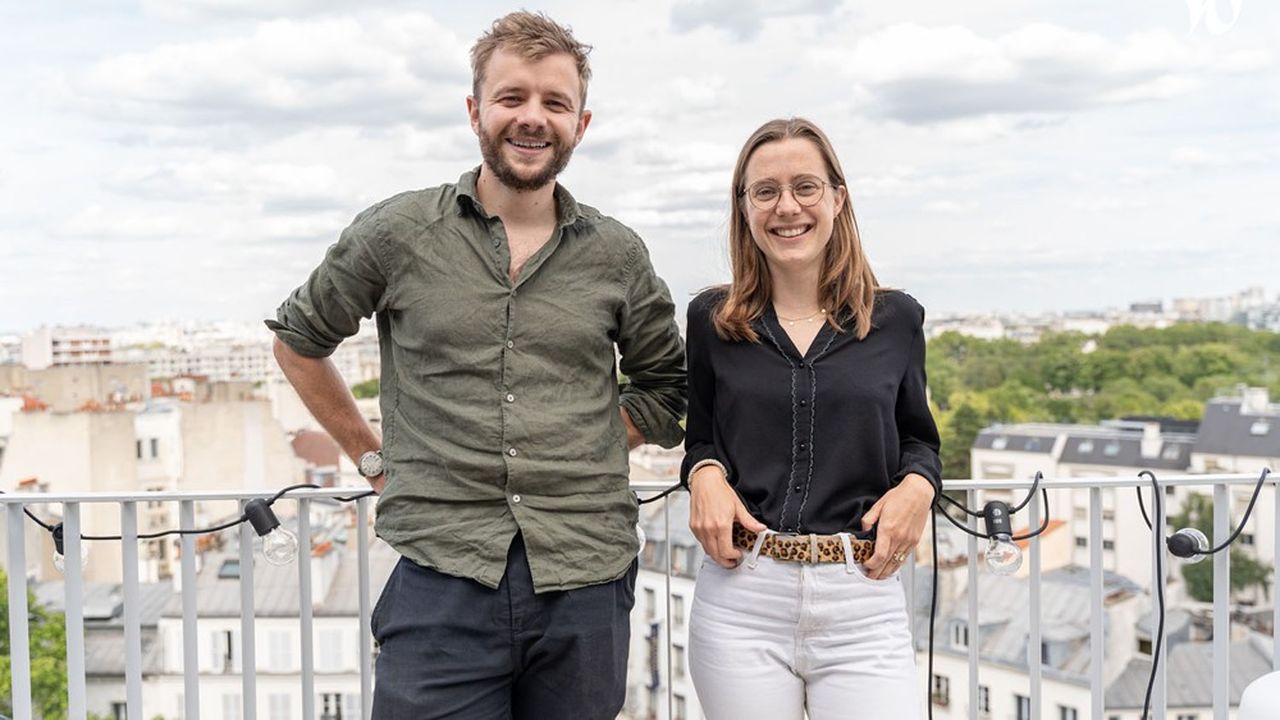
<point>791,234</point>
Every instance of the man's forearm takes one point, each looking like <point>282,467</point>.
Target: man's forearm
<point>326,395</point>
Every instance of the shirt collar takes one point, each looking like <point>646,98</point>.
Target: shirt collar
<point>567,210</point>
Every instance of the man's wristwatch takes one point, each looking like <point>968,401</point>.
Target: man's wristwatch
<point>370,464</point>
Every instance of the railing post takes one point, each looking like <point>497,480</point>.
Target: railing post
<point>73,573</point>
<point>975,641</point>
<point>190,621</point>
<point>19,634</point>
<point>132,608</point>
<point>306,622</point>
<point>366,631</point>
<point>1035,658</point>
<point>1221,603</point>
<point>248,659</point>
<point>1097,649</point>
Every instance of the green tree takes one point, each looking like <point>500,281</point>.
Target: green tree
<point>366,390</point>
<point>47,649</point>
<point>1246,572</point>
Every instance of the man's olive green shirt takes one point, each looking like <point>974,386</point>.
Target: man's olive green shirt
<point>500,399</point>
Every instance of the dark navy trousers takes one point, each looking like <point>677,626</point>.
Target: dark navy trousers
<point>452,648</point>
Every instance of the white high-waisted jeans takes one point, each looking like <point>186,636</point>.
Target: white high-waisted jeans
<point>774,639</point>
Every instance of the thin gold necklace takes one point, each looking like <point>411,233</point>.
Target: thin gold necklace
<point>791,322</point>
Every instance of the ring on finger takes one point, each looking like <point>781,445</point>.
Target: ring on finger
<point>900,558</point>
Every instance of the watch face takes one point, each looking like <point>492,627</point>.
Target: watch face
<point>371,464</point>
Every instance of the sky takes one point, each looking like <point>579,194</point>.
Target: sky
<point>192,159</point>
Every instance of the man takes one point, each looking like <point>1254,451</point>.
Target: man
<point>503,465</point>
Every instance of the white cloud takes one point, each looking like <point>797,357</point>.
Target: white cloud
<point>742,18</point>
<point>375,71</point>
<point>918,74</point>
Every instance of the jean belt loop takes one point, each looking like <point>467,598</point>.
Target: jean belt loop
<point>754,555</point>
<point>848,552</point>
<point>813,549</point>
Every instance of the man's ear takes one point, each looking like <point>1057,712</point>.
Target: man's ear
<point>473,113</point>
<point>583,121</point>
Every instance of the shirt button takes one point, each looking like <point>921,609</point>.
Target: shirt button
<point>510,344</point>
<point>803,446</point>
<point>515,498</point>
<point>511,398</point>
<point>797,488</point>
<point>803,403</point>
<point>511,452</point>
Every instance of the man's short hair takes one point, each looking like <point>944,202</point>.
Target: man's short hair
<point>533,36</point>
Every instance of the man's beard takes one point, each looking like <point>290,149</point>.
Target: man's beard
<point>491,150</point>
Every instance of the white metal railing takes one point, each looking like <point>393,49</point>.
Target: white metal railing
<point>74,592</point>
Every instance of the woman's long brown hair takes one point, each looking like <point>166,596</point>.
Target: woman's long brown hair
<point>846,282</point>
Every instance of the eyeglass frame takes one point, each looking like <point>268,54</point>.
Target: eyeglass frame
<point>790,187</point>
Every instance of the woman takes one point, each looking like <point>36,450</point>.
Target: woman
<point>812,457</point>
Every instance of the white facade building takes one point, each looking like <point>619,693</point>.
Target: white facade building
<point>54,347</point>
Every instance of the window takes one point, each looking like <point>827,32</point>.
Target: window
<point>1111,449</point>
<point>280,651</point>
<point>677,610</point>
<point>329,650</point>
<point>940,690</point>
<point>1188,716</point>
<point>1170,452</point>
<point>331,706</point>
<point>230,706</point>
<point>1067,713</point>
<point>960,635</point>
<point>1082,542</point>
<point>984,699</point>
<point>155,447</point>
<point>279,706</point>
<point>1080,513</point>
<point>223,651</point>
<point>138,447</point>
<point>1144,647</point>
<point>677,660</point>
<point>650,604</point>
<point>681,707</point>
<point>1108,514</point>
<point>1247,538</point>
<point>1022,704</point>
<point>118,710</point>
<point>1108,544</point>
<point>1260,428</point>
<point>1086,447</point>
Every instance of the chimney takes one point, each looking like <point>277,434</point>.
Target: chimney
<point>1151,440</point>
<point>1253,400</point>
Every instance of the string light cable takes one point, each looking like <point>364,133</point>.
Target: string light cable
<point>1189,544</point>
<point>279,544</point>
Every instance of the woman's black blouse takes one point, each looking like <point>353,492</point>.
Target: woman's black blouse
<point>810,443</point>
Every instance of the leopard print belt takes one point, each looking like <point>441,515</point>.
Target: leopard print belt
<point>804,548</point>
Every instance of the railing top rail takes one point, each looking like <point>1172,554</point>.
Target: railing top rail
<point>644,486</point>
<point>1117,481</point>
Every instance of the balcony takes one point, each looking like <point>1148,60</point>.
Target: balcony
<point>229,654</point>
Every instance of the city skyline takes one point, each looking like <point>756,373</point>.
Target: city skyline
<point>193,159</point>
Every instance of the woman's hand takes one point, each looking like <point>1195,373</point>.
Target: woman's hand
<point>902,513</point>
<point>713,508</point>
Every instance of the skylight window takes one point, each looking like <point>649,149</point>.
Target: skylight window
<point>1111,449</point>
<point>1086,447</point>
<point>999,443</point>
<point>1260,428</point>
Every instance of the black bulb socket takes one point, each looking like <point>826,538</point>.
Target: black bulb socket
<point>1184,545</point>
<point>58,544</point>
<point>995,517</point>
<point>259,514</point>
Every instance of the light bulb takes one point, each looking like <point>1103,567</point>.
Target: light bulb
<point>1189,545</point>
<point>280,546</point>
<point>1003,557</point>
<point>59,558</point>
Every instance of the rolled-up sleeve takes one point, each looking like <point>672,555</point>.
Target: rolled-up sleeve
<point>350,284</point>
<point>917,431</point>
<point>652,354</point>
